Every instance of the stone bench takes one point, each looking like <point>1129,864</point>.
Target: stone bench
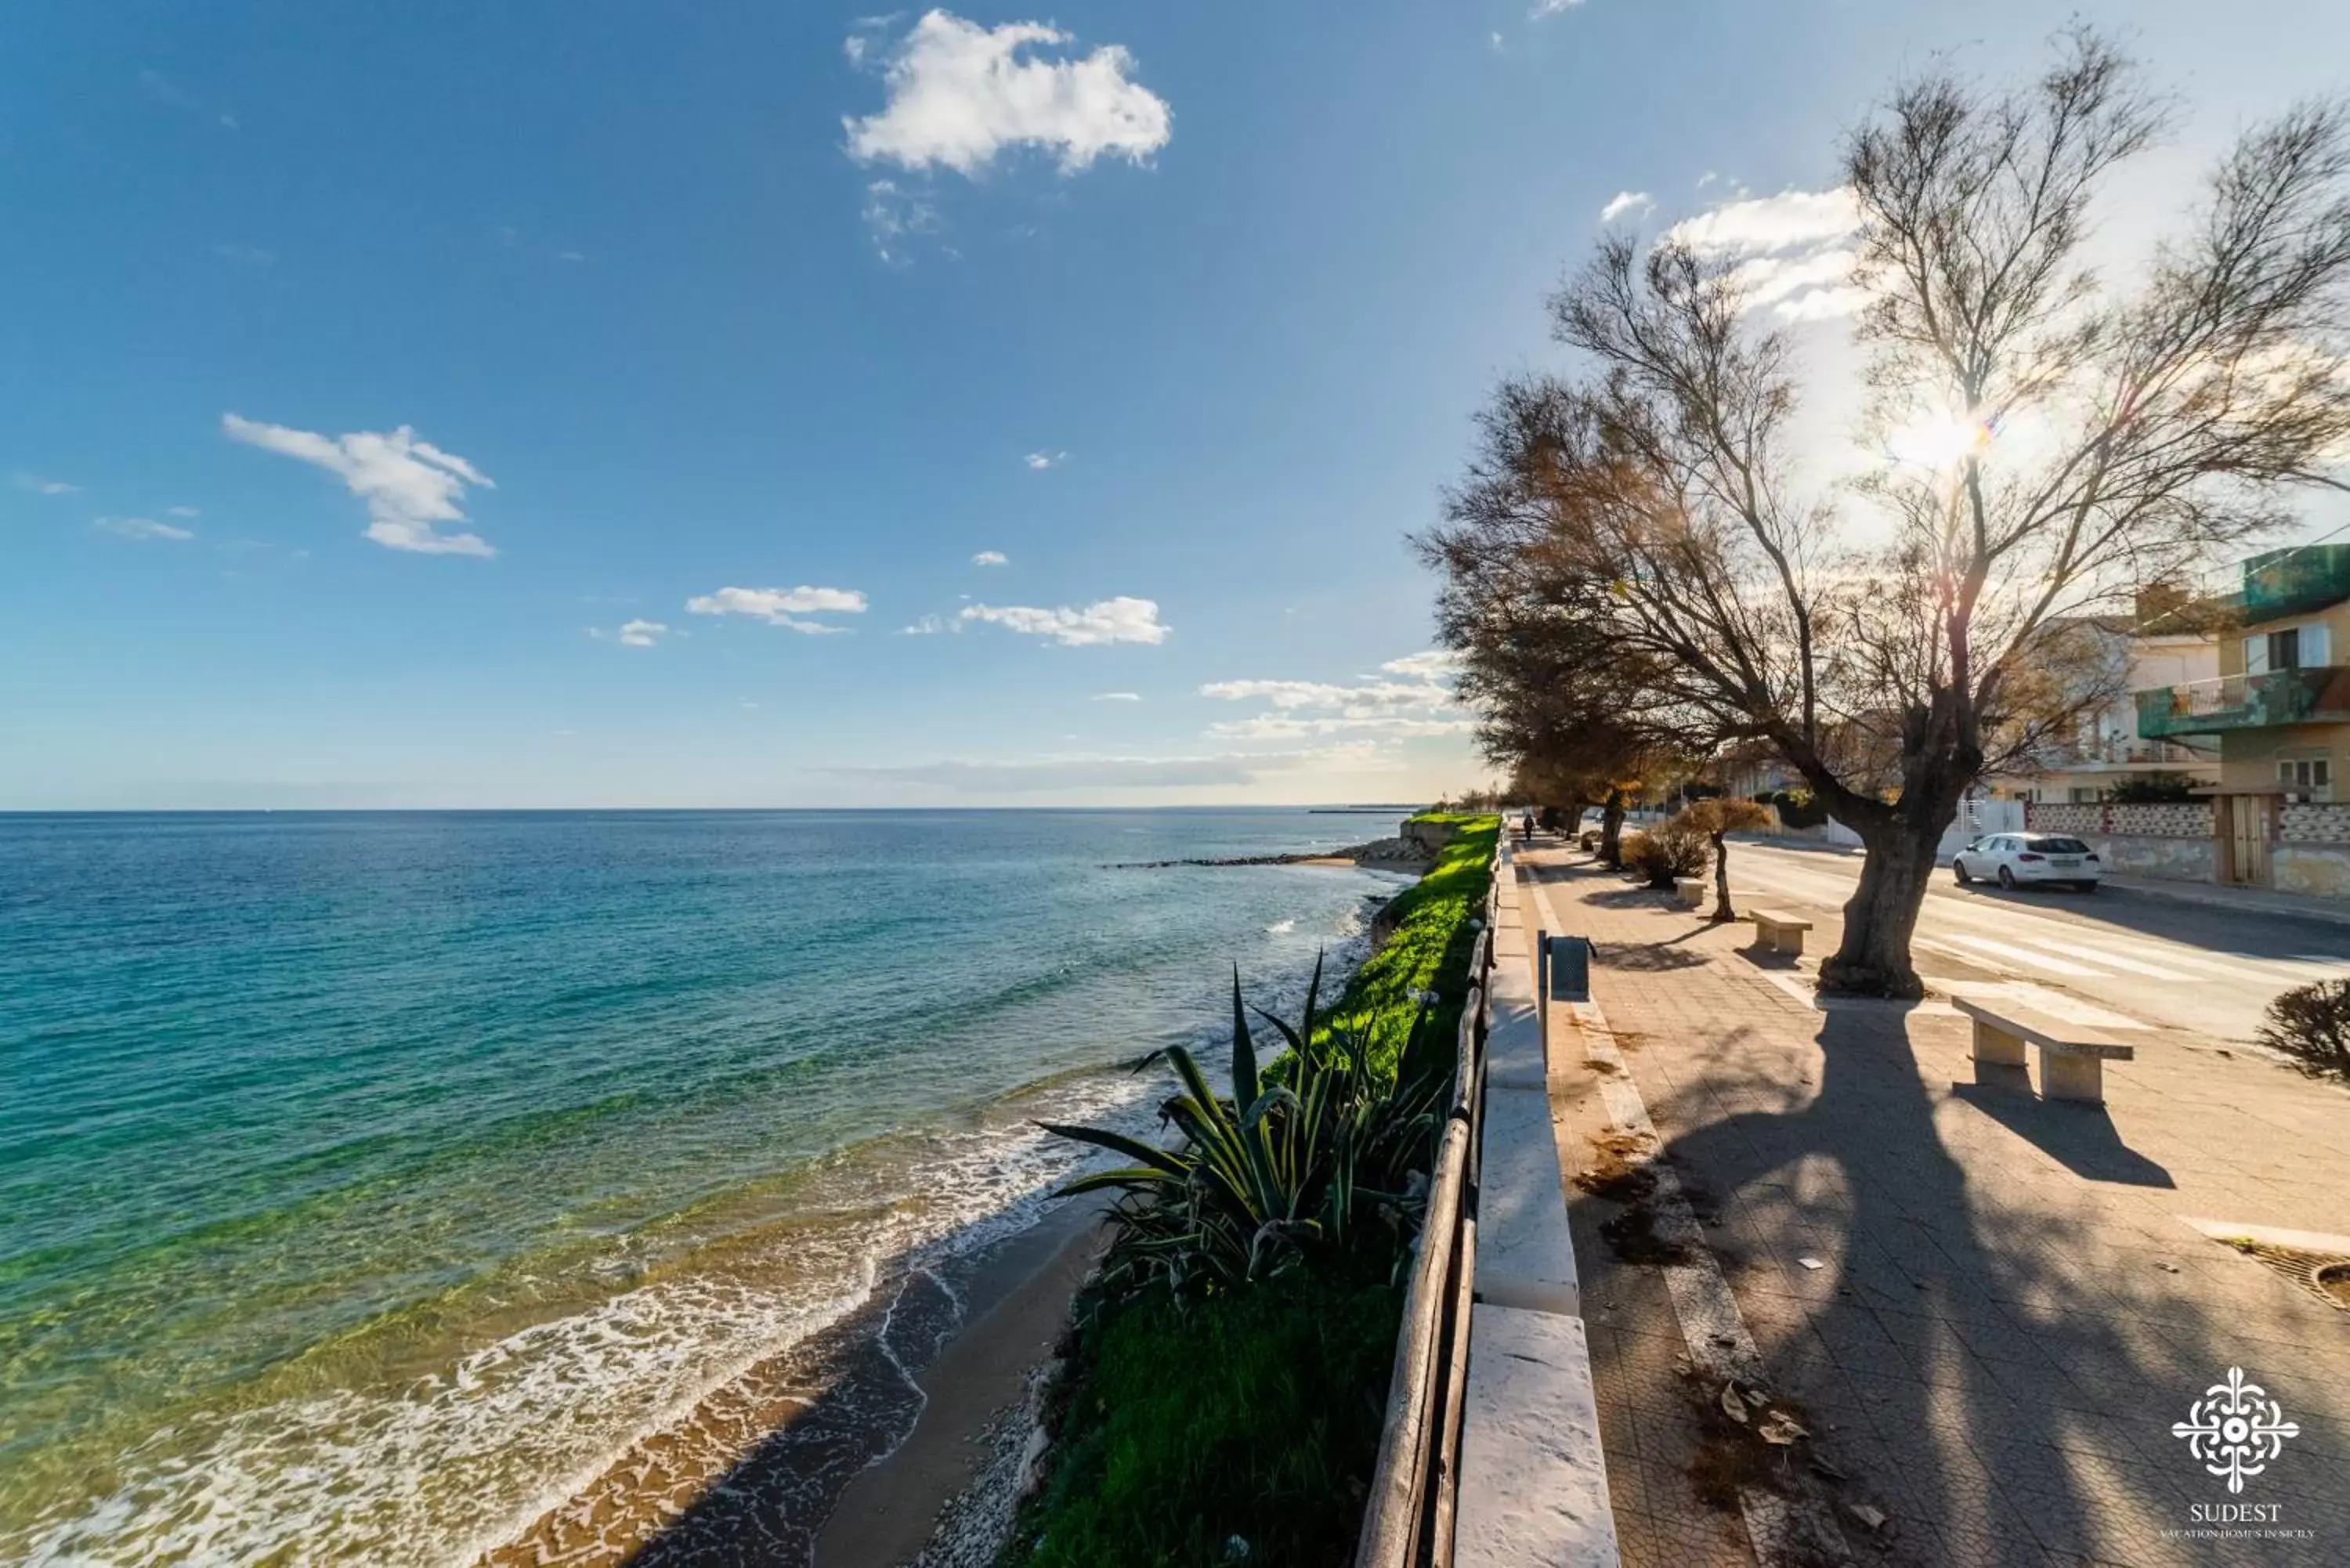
<point>1690,890</point>
<point>1779,932</point>
<point>2073,1057</point>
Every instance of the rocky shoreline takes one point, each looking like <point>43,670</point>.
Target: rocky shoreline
<point>1378,854</point>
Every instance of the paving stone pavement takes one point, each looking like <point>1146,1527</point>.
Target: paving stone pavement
<point>2011,1313</point>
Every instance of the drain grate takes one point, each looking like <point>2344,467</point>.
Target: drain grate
<point>2325,1275</point>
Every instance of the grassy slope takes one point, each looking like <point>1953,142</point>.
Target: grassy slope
<point>1254,1414</point>
<point>1430,944</point>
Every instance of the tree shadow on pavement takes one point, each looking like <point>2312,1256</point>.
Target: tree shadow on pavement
<point>1654,956</point>
<point>1986,1386</point>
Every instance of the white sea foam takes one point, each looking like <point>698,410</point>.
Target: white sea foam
<point>447,1468</point>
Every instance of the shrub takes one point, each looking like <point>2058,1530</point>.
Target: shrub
<point>1670,849</point>
<point>1797,807</point>
<point>2150,789</point>
<point>2311,1023</point>
<point>1295,1165</point>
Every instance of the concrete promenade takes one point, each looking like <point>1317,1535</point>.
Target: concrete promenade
<point>1984,1313</point>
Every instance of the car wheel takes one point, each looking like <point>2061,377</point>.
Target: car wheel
<point>2087,887</point>
<point>2007,878</point>
<point>1959,871</point>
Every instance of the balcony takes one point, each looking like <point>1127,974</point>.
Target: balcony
<point>2285,583</point>
<point>2315,696</point>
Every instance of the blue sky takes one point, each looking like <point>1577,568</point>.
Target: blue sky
<point>1181,311</point>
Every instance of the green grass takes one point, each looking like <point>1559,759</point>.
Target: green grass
<point>1253,1413</point>
<point>1431,945</point>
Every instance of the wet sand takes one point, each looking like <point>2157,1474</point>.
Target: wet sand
<point>1020,1302</point>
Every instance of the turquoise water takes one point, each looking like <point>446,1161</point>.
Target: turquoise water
<point>373,1183</point>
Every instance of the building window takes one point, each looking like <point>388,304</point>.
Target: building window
<point>2313,774</point>
<point>2295,647</point>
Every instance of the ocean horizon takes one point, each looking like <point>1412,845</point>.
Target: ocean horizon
<point>385,1185</point>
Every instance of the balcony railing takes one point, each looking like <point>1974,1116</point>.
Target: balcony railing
<point>2316,696</point>
<point>2120,751</point>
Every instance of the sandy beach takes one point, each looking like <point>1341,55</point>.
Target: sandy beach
<point>965,1447</point>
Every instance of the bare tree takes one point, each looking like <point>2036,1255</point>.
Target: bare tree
<point>2097,439</point>
<point>1717,818</point>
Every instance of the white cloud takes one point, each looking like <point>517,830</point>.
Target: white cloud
<point>1626,202</point>
<point>1823,304</point>
<point>1120,620</point>
<point>142,528</point>
<point>1543,8</point>
<point>991,558</point>
<point>1411,696</point>
<point>411,487</point>
<point>959,93</point>
<point>1043,460</point>
<point>641,633</point>
<point>1298,727</point>
<point>1768,279</point>
<point>181,512</point>
<point>1432,665</point>
<point>894,217</point>
<point>1117,697</point>
<point>1082,771</point>
<point>1280,693</point>
<point>1494,41</point>
<point>928,626</point>
<point>787,607</point>
<point>571,256</point>
<point>246,255</point>
<point>1791,250</point>
<point>34,483</point>
<point>1764,224</point>
<point>1708,178</point>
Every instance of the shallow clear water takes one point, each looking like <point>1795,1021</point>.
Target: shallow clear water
<point>371,1183</point>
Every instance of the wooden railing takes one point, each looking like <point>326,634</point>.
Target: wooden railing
<point>1407,1518</point>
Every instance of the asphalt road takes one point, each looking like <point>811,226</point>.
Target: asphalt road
<point>2161,962</point>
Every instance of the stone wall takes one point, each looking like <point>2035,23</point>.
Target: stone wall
<point>2170,839</point>
<point>2172,860</point>
<point>2313,823</point>
<point>2167,819</point>
<point>2317,870</point>
<point>2058,817</point>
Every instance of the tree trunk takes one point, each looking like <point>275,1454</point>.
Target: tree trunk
<point>1611,830</point>
<point>1722,909</point>
<point>1874,958</point>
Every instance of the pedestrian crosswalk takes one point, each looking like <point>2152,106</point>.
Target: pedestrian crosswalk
<point>2008,940</point>
<point>2212,978</point>
<point>2109,959</point>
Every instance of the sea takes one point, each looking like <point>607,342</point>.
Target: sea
<point>448,1188</point>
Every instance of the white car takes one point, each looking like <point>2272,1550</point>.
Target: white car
<point>2011,859</point>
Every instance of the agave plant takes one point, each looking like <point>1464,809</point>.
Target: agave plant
<point>1283,1170</point>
